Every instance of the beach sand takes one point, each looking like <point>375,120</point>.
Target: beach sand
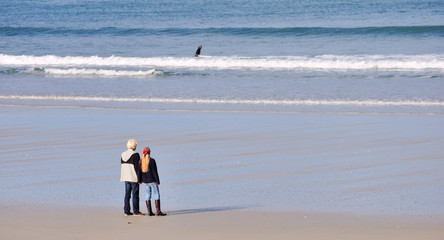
<point>238,175</point>
<point>201,224</point>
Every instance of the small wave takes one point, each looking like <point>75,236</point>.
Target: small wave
<point>101,72</point>
<point>437,31</point>
<point>321,62</point>
<point>11,71</point>
<point>233,101</point>
<point>94,72</point>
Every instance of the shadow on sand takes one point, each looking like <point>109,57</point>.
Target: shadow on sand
<point>210,209</point>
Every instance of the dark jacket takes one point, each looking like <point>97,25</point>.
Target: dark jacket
<point>197,52</point>
<point>152,175</point>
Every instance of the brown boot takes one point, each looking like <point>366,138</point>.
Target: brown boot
<point>158,212</point>
<point>148,206</point>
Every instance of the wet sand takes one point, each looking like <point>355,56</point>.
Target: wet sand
<point>237,175</point>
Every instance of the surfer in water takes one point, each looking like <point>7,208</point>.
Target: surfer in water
<point>198,51</point>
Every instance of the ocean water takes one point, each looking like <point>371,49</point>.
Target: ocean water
<point>261,56</point>
<point>308,55</point>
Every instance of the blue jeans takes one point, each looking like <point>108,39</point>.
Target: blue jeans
<point>152,188</point>
<point>131,188</point>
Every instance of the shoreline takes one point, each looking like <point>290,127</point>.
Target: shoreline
<point>215,110</point>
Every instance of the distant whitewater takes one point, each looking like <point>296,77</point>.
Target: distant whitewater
<point>257,55</point>
<point>321,62</point>
<point>230,101</point>
<point>85,72</point>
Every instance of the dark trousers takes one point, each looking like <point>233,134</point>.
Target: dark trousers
<point>131,188</point>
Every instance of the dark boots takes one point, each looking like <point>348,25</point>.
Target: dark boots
<point>148,206</point>
<point>158,212</point>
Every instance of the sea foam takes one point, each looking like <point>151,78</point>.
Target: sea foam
<point>307,102</point>
<point>321,62</point>
<point>100,72</point>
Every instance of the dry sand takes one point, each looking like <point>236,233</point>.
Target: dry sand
<point>39,224</point>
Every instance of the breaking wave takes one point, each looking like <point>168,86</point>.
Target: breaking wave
<point>89,72</point>
<point>321,62</point>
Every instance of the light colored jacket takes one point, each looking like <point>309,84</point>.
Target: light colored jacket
<point>129,167</point>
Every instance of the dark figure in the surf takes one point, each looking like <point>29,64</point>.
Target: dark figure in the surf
<point>198,51</point>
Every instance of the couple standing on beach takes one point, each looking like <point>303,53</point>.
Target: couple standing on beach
<point>135,171</point>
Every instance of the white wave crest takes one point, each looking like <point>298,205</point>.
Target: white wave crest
<point>322,62</point>
<point>100,72</point>
<point>231,101</point>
